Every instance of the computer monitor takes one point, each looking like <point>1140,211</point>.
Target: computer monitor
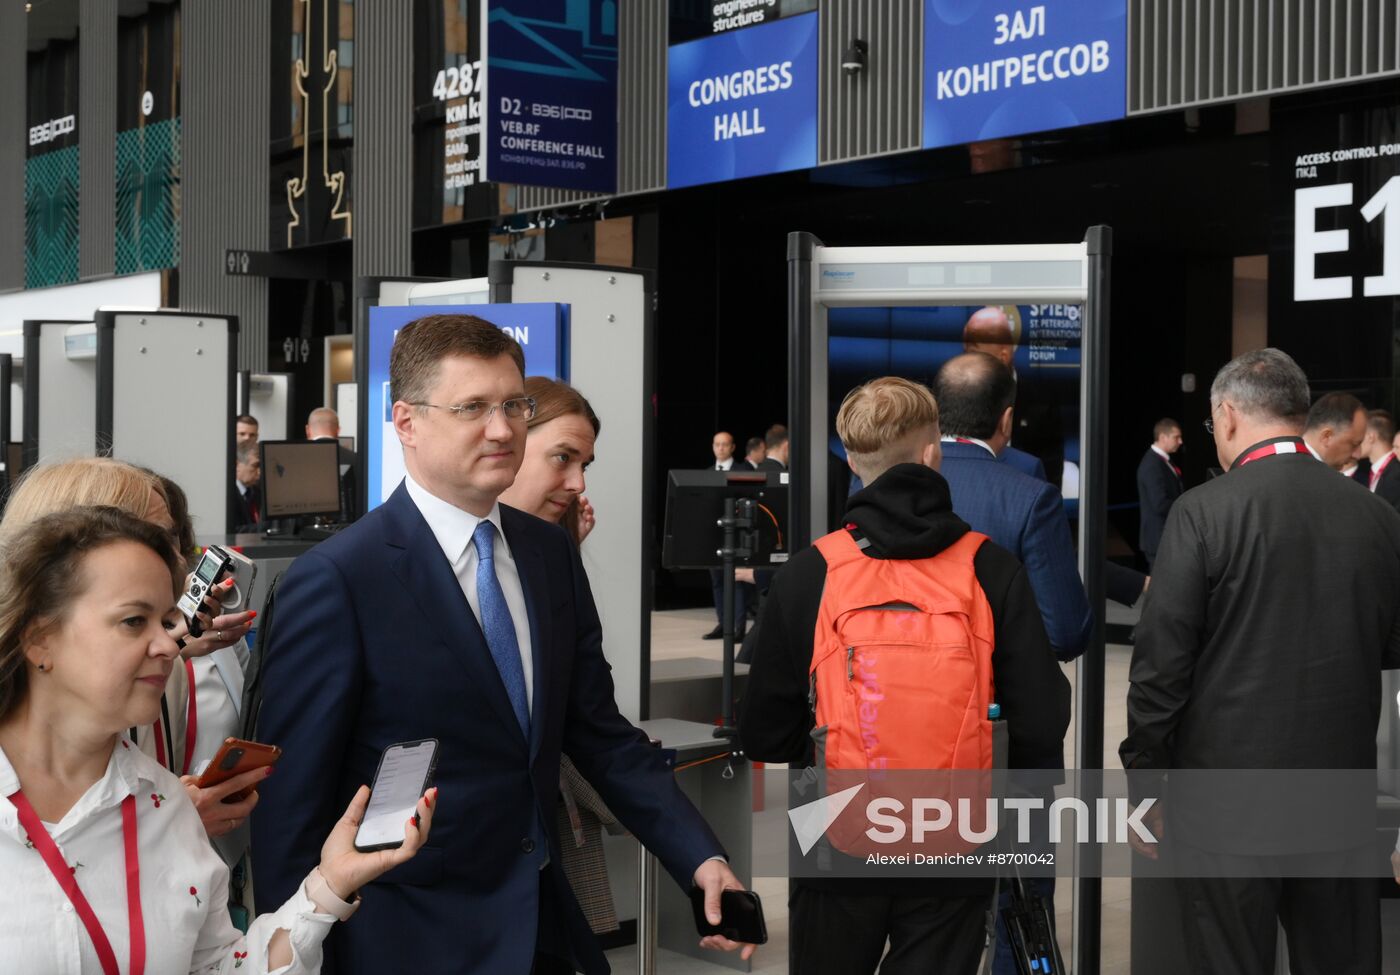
<point>695,502</point>
<point>348,443</point>
<point>300,478</point>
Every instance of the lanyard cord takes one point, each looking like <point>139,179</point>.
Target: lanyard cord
<point>48,849</point>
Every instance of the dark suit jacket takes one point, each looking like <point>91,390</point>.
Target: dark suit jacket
<point>1024,462</point>
<point>1235,665</point>
<point>1026,517</point>
<point>374,643</point>
<point>240,512</point>
<point>1158,487</point>
<point>770,464</point>
<point>1389,486</point>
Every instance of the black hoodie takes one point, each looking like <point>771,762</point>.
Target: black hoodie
<point>906,513</point>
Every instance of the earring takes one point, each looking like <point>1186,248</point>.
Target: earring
<point>41,667</point>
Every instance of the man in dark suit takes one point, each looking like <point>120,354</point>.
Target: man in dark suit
<point>722,446</point>
<point>777,449</point>
<point>443,614</point>
<point>1234,669</point>
<point>755,451</point>
<point>1383,474</point>
<point>245,508</point>
<point>1334,429</point>
<point>1022,514</point>
<point>324,424</point>
<point>1159,484</point>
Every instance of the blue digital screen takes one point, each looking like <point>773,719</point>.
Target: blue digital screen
<point>743,103</point>
<point>541,329</point>
<point>995,68</point>
<point>551,102</point>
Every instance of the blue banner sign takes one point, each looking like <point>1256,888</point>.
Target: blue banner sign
<point>743,103</point>
<point>541,329</point>
<point>995,68</point>
<point>551,97</point>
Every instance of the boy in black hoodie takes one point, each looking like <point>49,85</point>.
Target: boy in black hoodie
<point>890,430</point>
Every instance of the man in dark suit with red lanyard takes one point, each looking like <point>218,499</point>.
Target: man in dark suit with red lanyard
<point>1159,485</point>
<point>1234,668</point>
<point>1383,474</point>
<point>444,614</point>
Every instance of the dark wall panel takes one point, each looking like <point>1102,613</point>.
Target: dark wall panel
<point>225,49</point>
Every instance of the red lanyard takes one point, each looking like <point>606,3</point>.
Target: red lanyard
<point>1293,445</point>
<point>191,719</point>
<point>1376,472</point>
<point>48,849</point>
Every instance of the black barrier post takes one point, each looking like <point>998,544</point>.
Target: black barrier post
<point>801,463</point>
<point>1093,530</point>
<point>738,517</point>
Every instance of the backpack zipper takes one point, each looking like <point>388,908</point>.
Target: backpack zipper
<point>850,663</point>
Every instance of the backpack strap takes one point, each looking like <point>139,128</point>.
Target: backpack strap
<point>839,548</point>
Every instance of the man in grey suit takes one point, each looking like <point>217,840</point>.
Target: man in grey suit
<point>1234,667</point>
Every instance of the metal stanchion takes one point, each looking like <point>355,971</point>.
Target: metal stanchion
<point>646,912</point>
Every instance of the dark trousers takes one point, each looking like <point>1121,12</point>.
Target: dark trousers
<point>845,934</point>
<point>741,600</point>
<point>1231,924</point>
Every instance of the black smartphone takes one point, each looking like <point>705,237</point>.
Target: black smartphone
<point>405,772</point>
<point>741,916</point>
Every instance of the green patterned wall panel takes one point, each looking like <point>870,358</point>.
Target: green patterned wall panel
<point>147,172</point>
<point>51,218</point>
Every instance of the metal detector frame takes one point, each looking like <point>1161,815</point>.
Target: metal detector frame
<point>821,277</point>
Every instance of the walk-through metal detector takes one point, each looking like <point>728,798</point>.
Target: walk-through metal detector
<point>60,390</point>
<point>821,278</point>
<point>165,400</point>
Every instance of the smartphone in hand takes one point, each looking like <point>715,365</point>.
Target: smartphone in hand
<point>405,772</point>
<point>741,916</point>
<point>235,757</point>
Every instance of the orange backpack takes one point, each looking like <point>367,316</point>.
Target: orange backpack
<point>901,673</point>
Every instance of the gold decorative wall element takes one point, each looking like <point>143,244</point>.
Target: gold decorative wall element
<point>333,181</point>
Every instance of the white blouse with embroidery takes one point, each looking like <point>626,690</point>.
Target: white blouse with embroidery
<point>184,886</point>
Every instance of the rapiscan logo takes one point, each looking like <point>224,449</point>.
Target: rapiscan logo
<point>840,275</point>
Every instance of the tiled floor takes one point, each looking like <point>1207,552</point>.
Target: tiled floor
<point>676,634</point>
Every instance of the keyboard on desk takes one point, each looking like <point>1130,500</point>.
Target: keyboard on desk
<point>319,533</point>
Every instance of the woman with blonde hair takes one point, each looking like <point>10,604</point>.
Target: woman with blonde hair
<point>88,481</point>
<point>103,857</point>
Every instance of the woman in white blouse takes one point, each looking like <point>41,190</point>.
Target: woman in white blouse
<point>106,864</point>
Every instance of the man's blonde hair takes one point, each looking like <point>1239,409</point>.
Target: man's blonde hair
<point>877,418</point>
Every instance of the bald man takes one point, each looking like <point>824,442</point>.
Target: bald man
<point>989,331</point>
<point>324,424</point>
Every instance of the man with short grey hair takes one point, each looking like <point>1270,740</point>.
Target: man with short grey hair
<point>1234,667</point>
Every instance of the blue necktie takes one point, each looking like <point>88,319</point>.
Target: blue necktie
<point>498,626</point>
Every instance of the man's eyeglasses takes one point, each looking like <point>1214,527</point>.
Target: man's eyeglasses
<point>522,408</point>
<point>1209,424</point>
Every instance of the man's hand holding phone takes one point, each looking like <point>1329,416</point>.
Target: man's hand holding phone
<point>713,877</point>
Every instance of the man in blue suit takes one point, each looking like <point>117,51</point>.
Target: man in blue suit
<point>443,614</point>
<point>1022,514</point>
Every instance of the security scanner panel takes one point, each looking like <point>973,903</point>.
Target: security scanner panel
<point>607,357</point>
<point>60,392</point>
<point>272,402</point>
<point>300,478</point>
<point>165,400</point>
<point>347,442</point>
<point>856,313</point>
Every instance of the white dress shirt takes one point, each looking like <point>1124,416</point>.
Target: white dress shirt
<point>453,528</point>
<point>724,465</point>
<point>184,886</point>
